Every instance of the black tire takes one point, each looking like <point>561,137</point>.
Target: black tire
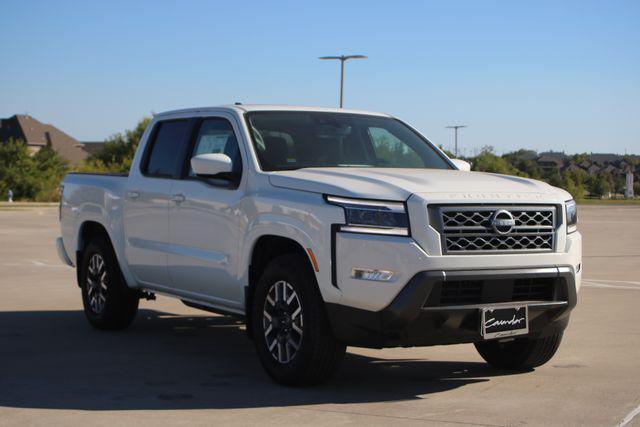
<point>318,354</point>
<point>521,353</point>
<point>108,302</point>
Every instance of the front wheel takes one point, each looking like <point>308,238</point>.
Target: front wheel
<point>108,302</point>
<point>292,334</point>
<point>521,353</point>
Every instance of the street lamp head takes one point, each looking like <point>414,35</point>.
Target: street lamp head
<point>344,57</point>
<point>455,133</point>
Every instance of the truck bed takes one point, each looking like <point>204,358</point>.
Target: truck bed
<point>92,197</point>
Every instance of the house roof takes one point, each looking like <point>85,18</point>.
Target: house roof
<point>92,147</point>
<point>37,134</point>
<point>574,168</point>
<point>604,157</point>
<point>547,158</point>
<point>554,154</point>
<point>585,164</point>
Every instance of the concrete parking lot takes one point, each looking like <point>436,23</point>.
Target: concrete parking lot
<point>176,365</point>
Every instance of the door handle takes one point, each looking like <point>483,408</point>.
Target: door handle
<point>178,198</point>
<point>133,194</point>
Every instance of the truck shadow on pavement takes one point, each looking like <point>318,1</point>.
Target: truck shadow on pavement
<point>54,359</point>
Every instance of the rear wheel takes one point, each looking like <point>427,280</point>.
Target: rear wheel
<point>108,302</point>
<point>521,353</point>
<point>292,334</point>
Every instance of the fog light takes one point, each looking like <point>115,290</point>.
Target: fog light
<point>371,274</point>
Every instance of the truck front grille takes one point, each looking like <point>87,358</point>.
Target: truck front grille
<point>479,229</point>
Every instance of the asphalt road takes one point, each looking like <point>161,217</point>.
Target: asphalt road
<point>176,365</point>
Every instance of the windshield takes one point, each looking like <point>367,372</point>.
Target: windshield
<point>286,140</point>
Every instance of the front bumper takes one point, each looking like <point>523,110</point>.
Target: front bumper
<point>410,320</point>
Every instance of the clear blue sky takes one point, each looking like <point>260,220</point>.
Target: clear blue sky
<point>540,74</point>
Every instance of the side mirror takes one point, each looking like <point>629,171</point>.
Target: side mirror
<point>208,165</point>
<point>461,164</point>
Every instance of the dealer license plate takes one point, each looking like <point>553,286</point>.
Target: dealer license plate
<point>502,322</point>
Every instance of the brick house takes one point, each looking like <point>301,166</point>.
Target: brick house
<point>37,134</point>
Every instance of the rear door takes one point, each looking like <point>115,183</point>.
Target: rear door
<point>205,220</point>
<point>147,197</point>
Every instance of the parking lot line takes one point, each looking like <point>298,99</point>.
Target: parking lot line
<point>594,284</point>
<point>630,416</point>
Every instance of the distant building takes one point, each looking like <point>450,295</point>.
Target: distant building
<point>551,160</point>
<point>604,158</point>
<point>527,154</point>
<point>37,134</point>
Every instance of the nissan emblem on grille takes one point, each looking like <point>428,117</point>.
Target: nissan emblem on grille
<point>473,229</point>
<point>502,222</point>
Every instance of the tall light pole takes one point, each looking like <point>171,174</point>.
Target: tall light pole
<point>343,59</point>
<point>455,132</point>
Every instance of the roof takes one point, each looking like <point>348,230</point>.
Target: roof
<point>604,157</point>
<point>553,154</point>
<point>37,134</point>
<point>93,147</point>
<point>244,108</point>
<point>528,154</point>
<point>546,158</point>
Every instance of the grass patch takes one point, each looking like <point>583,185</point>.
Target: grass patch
<point>610,202</point>
<point>6,206</point>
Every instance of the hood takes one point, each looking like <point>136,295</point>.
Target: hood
<point>399,184</point>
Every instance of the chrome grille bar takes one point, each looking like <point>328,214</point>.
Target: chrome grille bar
<point>496,229</point>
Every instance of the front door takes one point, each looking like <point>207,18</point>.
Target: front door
<point>205,223</point>
<point>146,206</point>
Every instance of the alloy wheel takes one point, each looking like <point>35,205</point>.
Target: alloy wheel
<point>282,322</point>
<point>97,283</point>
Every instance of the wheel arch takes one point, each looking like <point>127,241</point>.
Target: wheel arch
<point>87,230</point>
<point>265,249</point>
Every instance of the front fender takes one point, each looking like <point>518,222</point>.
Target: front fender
<point>307,233</point>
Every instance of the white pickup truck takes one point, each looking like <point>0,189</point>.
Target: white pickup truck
<point>324,228</point>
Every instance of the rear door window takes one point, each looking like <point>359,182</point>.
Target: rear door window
<point>164,158</point>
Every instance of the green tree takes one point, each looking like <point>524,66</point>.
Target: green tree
<point>579,158</point>
<point>600,185</point>
<point>118,152</point>
<point>17,171</point>
<point>527,168</point>
<point>634,161</point>
<point>36,177</point>
<point>51,169</point>
<point>554,178</point>
<point>573,185</point>
<point>487,161</point>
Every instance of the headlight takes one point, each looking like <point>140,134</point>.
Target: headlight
<point>373,216</point>
<point>572,216</point>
